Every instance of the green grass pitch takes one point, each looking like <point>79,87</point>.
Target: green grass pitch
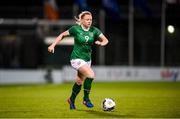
<point>133,100</point>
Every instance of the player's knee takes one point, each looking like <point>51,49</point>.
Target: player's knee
<point>79,81</point>
<point>91,75</point>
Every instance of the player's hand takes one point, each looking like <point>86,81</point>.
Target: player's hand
<point>98,43</point>
<point>51,49</point>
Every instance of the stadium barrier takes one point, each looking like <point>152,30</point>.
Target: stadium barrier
<point>116,73</point>
<point>29,76</point>
<point>103,73</point>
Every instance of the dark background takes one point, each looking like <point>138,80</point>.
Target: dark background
<point>21,46</point>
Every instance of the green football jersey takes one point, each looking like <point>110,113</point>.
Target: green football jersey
<point>83,41</point>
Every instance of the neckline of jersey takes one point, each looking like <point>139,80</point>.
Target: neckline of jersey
<point>84,28</point>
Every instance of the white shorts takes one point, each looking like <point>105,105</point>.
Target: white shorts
<point>77,63</point>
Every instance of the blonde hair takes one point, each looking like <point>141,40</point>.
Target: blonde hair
<point>80,17</point>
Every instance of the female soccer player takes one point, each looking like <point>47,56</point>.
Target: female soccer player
<point>84,36</point>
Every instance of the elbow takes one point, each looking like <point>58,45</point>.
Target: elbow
<point>106,42</point>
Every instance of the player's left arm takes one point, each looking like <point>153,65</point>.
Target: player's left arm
<point>102,40</point>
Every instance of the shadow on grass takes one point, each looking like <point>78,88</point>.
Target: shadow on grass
<point>105,114</point>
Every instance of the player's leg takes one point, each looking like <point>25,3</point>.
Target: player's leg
<point>77,86</point>
<point>75,90</point>
<point>89,74</point>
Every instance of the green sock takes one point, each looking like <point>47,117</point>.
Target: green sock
<point>87,87</point>
<point>75,91</point>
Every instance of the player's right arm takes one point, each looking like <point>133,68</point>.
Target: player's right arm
<point>57,40</point>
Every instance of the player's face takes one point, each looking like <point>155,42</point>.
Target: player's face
<point>87,21</point>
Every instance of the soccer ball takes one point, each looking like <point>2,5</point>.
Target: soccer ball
<point>108,104</point>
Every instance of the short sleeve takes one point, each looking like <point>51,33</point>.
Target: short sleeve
<point>97,32</point>
<point>72,30</point>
